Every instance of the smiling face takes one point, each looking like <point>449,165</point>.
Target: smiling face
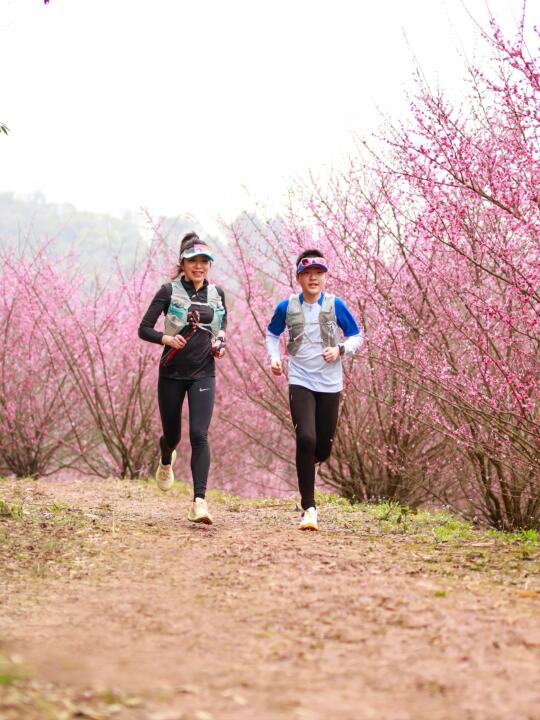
<point>312,281</point>
<point>196,269</point>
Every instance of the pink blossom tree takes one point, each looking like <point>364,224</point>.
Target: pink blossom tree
<point>72,349</point>
<point>433,240</point>
<point>36,437</point>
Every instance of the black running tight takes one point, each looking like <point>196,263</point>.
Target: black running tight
<point>171,394</point>
<point>314,416</point>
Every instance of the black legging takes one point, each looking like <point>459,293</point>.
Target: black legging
<point>315,416</point>
<point>171,394</point>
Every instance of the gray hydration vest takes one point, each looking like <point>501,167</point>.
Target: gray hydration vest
<point>176,318</point>
<point>296,323</point>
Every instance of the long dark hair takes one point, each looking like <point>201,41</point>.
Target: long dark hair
<point>187,241</point>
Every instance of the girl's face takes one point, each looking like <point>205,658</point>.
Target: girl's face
<point>196,269</point>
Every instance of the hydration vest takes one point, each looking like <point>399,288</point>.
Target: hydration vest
<point>296,323</point>
<point>176,318</point>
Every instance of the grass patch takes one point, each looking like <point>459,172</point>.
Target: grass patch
<point>440,525</point>
<point>437,525</point>
<point>437,542</point>
<point>10,509</point>
<point>336,501</point>
<point>458,549</point>
<point>522,537</point>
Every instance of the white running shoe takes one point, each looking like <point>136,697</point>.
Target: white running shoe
<point>165,475</point>
<point>309,519</point>
<point>199,512</point>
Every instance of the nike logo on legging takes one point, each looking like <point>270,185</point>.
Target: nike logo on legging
<point>203,389</point>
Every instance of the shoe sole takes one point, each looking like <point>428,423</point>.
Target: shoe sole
<point>202,520</point>
<point>165,489</point>
<point>309,527</point>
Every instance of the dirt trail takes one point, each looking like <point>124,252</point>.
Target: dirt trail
<point>250,618</point>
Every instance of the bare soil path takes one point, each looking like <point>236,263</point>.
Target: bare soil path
<point>112,605</point>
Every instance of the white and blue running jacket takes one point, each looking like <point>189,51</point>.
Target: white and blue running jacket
<point>308,368</point>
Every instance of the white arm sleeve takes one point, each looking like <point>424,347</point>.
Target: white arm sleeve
<point>272,346</point>
<point>352,343</point>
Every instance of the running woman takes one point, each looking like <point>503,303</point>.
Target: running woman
<point>315,373</point>
<point>195,323</point>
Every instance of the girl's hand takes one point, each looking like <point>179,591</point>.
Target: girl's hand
<point>330,354</point>
<point>276,367</point>
<point>174,341</point>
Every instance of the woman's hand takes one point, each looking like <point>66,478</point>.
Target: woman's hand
<point>330,354</point>
<point>174,341</point>
<point>218,347</point>
<point>276,367</point>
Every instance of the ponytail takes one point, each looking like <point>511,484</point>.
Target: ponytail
<point>187,241</point>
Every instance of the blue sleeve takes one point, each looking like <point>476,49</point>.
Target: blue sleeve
<point>277,323</point>
<point>345,319</point>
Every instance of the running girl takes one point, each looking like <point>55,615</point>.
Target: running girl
<point>195,323</point>
<point>315,373</point>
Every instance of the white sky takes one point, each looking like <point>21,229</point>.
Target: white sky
<point>178,106</point>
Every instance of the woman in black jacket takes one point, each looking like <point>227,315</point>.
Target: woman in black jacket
<point>195,323</point>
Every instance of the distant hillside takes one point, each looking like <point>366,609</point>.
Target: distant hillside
<point>95,238</point>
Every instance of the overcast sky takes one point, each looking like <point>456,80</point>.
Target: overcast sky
<point>179,106</point>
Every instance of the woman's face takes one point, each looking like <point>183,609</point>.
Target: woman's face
<point>196,268</point>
